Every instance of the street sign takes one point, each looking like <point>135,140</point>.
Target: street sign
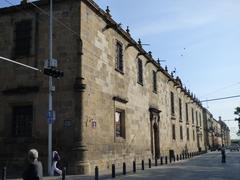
<point>51,117</point>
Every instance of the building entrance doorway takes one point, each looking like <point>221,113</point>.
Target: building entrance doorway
<point>155,133</point>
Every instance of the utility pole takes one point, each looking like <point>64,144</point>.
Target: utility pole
<point>51,70</point>
<point>50,108</point>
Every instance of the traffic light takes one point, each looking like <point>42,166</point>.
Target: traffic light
<point>54,72</point>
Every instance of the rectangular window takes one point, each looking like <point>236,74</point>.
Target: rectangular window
<point>188,134</point>
<point>23,35</point>
<point>119,56</point>
<point>173,132</point>
<point>192,116</point>
<point>140,72</point>
<point>196,118</point>
<point>120,123</point>
<point>193,135</point>
<point>187,113</point>
<point>154,81</point>
<point>200,119</point>
<point>22,121</point>
<point>180,109</point>
<point>172,104</point>
<point>181,133</point>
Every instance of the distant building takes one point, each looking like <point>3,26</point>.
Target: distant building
<point>115,103</point>
<point>217,133</point>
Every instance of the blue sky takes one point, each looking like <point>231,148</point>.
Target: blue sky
<point>198,38</point>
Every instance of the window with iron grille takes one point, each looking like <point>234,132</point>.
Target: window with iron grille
<point>187,113</point>
<point>181,133</point>
<point>23,36</point>
<point>120,123</point>
<point>154,81</point>
<point>192,116</point>
<point>140,72</point>
<point>119,56</point>
<point>193,135</point>
<point>22,121</point>
<point>172,103</point>
<point>200,119</point>
<point>173,132</point>
<point>188,134</point>
<point>197,118</point>
<point>180,109</point>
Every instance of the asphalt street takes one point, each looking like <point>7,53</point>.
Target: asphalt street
<point>204,167</point>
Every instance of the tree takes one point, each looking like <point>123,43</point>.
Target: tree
<point>237,112</point>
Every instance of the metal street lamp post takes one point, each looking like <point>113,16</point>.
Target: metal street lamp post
<point>50,108</point>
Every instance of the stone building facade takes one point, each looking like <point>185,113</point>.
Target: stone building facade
<point>115,103</point>
<point>216,133</point>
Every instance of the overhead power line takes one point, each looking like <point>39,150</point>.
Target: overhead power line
<point>216,99</point>
<point>21,64</point>
<point>55,19</point>
<point>229,120</point>
<point>223,88</point>
<point>47,14</point>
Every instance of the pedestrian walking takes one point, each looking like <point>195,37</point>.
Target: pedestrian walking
<point>55,170</point>
<point>223,154</point>
<point>34,170</point>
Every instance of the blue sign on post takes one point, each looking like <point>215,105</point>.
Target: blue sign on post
<point>51,117</point>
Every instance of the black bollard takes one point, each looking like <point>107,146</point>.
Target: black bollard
<point>149,163</point>
<point>142,164</point>
<point>223,155</point>
<point>96,173</point>
<point>124,168</point>
<point>134,166</point>
<point>166,160</point>
<point>161,160</point>
<point>4,173</point>
<point>63,173</point>
<point>177,157</point>
<point>113,171</point>
<point>156,162</point>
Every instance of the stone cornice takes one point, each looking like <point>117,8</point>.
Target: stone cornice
<point>21,90</point>
<point>120,99</point>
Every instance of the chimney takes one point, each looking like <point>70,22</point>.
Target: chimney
<point>220,118</point>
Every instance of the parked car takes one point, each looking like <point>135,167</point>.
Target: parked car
<point>234,148</point>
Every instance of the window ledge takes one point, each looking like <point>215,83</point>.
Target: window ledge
<point>140,83</point>
<point>120,140</point>
<point>118,70</point>
<point>173,117</point>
